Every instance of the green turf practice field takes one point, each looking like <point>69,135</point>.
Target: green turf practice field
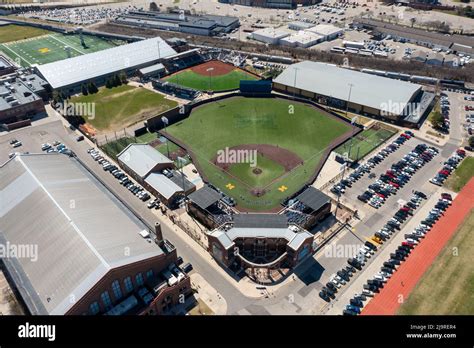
<point>461,175</point>
<point>296,131</point>
<point>447,287</point>
<point>118,107</point>
<point>364,143</point>
<point>189,78</point>
<point>51,47</point>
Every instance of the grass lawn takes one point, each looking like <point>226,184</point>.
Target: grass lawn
<point>14,32</point>
<point>270,171</point>
<point>124,105</point>
<point>447,288</point>
<point>50,48</point>
<point>461,175</point>
<point>365,142</point>
<point>189,78</point>
<point>231,122</point>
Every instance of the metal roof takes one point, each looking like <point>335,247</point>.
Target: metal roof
<point>205,197</point>
<point>163,185</point>
<point>295,239</point>
<point>260,221</point>
<point>313,198</point>
<point>153,68</point>
<point>86,67</point>
<point>80,229</point>
<point>329,80</point>
<point>142,158</point>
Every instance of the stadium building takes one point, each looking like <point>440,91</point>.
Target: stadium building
<point>260,241</point>
<point>69,74</point>
<point>391,100</point>
<point>84,251</point>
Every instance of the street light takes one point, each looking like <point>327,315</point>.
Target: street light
<point>166,122</point>
<point>181,162</point>
<point>210,70</point>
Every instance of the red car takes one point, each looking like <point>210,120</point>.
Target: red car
<point>394,184</point>
<point>406,136</point>
<point>461,152</point>
<point>381,195</point>
<point>444,172</point>
<point>408,244</point>
<point>407,209</point>
<point>468,108</point>
<point>446,196</point>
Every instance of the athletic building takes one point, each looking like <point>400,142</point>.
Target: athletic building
<point>83,252</point>
<point>260,241</point>
<point>69,74</point>
<point>379,97</point>
<point>154,171</point>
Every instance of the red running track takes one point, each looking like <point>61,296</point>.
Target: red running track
<point>422,256</point>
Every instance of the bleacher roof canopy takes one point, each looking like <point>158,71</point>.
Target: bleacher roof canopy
<point>313,198</point>
<point>269,221</point>
<point>205,197</point>
<point>68,72</point>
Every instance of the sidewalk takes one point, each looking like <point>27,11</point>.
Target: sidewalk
<point>209,295</point>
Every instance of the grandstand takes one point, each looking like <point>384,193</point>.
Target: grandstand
<point>207,206</point>
<point>308,208</point>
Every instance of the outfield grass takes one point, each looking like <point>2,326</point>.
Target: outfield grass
<point>235,121</point>
<point>447,288</point>
<point>121,106</point>
<point>461,175</point>
<point>12,32</point>
<point>364,143</point>
<point>50,48</point>
<point>189,78</point>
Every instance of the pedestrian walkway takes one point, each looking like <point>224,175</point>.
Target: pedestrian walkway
<point>409,273</point>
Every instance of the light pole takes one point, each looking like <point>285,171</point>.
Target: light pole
<point>210,77</point>
<point>177,75</point>
<point>166,122</point>
<point>350,145</point>
<point>181,162</point>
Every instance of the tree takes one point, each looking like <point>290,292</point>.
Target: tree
<point>117,81</point>
<point>123,77</point>
<point>471,141</point>
<point>153,6</point>
<point>92,88</point>
<point>57,98</point>
<point>84,90</point>
<point>437,120</point>
<point>412,21</point>
<point>109,83</point>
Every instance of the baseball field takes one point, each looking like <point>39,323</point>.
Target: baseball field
<point>258,150</point>
<point>211,76</point>
<point>28,46</point>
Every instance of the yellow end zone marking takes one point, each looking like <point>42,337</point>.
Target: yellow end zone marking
<point>44,50</point>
